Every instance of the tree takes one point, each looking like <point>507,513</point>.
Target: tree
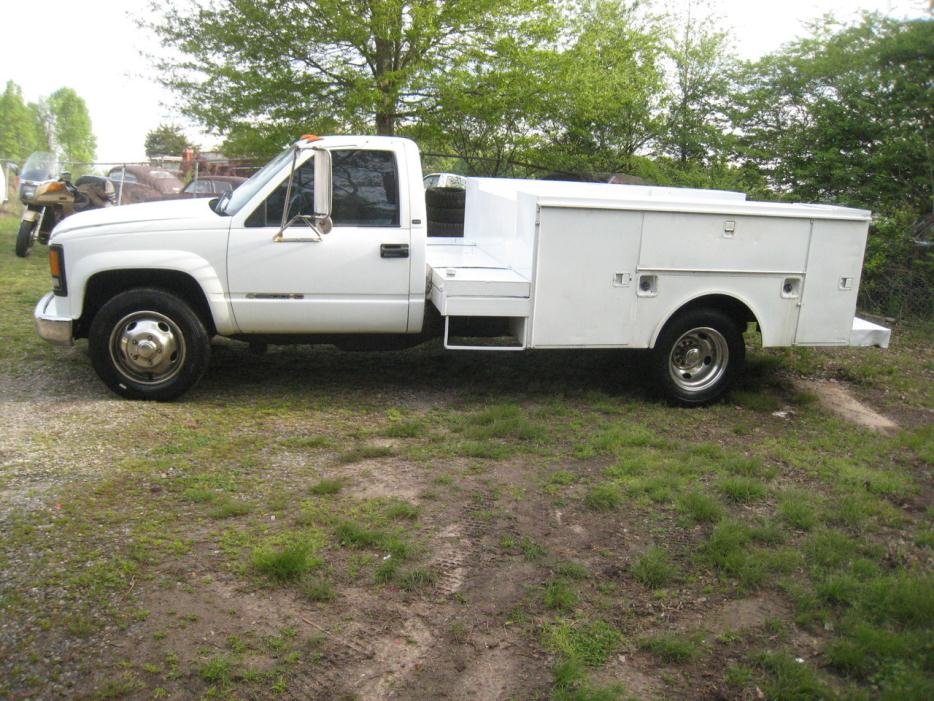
<point>71,126</point>
<point>20,132</point>
<point>845,115</point>
<point>700,67</point>
<point>351,64</point>
<point>166,140</point>
<point>605,99</point>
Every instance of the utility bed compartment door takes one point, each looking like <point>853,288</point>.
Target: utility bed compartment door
<point>828,304</point>
<point>585,267</point>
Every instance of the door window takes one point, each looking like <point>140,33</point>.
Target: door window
<point>366,188</point>
<point>366,191</point>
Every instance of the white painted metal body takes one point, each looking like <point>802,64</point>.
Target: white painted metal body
<point>571,265</point>
<point>609,265</point>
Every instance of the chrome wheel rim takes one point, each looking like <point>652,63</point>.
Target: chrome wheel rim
<point>147,347</point>
<point>698,359</point>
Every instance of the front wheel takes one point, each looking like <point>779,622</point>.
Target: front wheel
<point>697,356</point>
<point>25,238</point>
<point>148,344</point>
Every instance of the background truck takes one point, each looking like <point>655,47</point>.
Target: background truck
<point>542,264</point>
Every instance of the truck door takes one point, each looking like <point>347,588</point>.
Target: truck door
<point>354,280</point>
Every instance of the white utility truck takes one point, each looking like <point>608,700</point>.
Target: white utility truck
<point>542,264</point>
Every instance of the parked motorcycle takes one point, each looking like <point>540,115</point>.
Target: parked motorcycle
<point>49,199</point>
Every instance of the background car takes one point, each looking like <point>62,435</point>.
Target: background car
<point>209,185</point>
<point>144,184</point>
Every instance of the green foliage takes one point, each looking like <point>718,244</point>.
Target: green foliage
<point>358,69</point>
<point>71,127</point>
<point>20,132</point>
<point>166,140</point>
<point>844,115</point>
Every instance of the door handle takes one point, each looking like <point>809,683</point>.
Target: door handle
<point>394,250</point>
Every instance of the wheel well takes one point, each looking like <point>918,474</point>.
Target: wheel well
<point>734,308</point>
<point>103,286</point>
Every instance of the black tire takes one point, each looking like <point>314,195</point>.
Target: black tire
<point>443,228</point>
<point>445,214</point>
<point>445,197</point>
<point>24,238</point>
<point>177,345</point>
<point>697,356</point>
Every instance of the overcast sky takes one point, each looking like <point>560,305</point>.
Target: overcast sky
<point>94,47</point>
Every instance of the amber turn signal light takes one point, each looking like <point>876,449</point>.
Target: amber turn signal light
<point>57,269</point>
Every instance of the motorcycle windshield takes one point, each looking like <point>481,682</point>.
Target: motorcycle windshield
<point>41,165</point>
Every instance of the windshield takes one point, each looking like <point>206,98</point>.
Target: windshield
<point>244,193</point>
<point>40,166</point>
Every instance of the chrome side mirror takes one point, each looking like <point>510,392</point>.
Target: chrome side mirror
<point>319,222</point>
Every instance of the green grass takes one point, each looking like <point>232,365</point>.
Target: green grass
<point>230,508</point>
<point>604,497</point>
<point>559,596</point>
<point>326,486</point>
<point>588,642</point>
<point>653,568</point>
<point>418,578</point>
<point>675,648</point>
<point>284,563</point>
<point>700,507</point>
<point>365,452</point>
<point>742,490</point>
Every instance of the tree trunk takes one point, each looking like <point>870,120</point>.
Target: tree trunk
<point>385,124</point>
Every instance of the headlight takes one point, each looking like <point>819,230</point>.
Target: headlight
<point>28,192</point>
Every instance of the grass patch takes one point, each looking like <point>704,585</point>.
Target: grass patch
<point>653,568</point>
<point>326,486</point>
<point>671,647</point>
<point>606,496</point>
<point>700,507</point>
<point>503,421</point>
<point>796,510</point>
<point>572,570</point>
<point>230,508</point>
<point>417,579</point>
<point>588,643</point>
<point>365,452</point>
<point>742,490</point>
<point>320,590</point>
<point>559,596</point>
<point>285,563</point>
<point>406,429</point>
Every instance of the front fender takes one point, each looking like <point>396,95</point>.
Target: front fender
<point>200,269</point>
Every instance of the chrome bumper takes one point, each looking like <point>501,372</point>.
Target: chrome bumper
<point>52,328</point>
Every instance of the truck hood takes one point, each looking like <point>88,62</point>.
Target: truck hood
<point>131,216</point>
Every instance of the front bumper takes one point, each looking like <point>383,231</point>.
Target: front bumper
<point>51,327</point>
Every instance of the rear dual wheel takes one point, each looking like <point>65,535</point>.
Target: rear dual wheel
<point>148,344</point>
<point>697,356</point>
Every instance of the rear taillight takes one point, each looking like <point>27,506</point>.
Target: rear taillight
<point>57,268</point>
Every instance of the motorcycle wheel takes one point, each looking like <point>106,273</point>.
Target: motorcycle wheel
<point>24,238</point>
